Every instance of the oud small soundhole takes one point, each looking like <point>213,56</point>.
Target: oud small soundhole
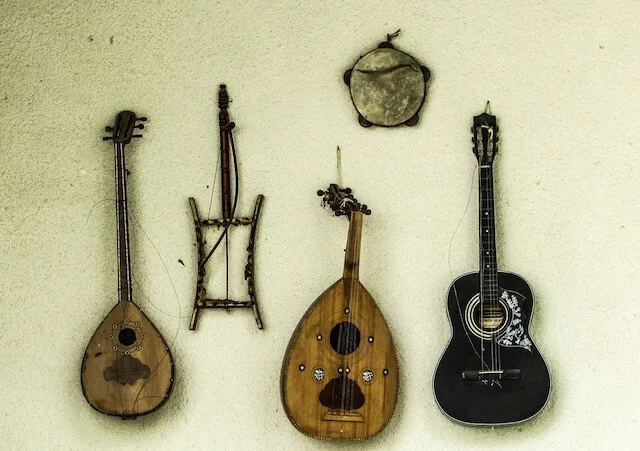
<point>345,338</point>
<point>127,337</point>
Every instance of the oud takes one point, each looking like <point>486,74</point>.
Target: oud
<point>127,369</point>
<point>491,372</point>
<point>340,372</point>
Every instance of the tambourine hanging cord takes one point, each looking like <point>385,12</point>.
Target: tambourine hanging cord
<point>393,35</point>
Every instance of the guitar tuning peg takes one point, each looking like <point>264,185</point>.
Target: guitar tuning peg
<point>364,207</point>
<point>107,138</point>
<point>320,192</point>
<point>136,136</point>
<point>347,190</point>
<point>108,128</point>
<point>339,213</point>
<point>140,126</point>
<point>143,119</point>
<point>368,212</point>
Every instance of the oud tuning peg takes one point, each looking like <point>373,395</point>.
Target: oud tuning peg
<point>108,128</point>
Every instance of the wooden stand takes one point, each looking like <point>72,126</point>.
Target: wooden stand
<point>201,300</point>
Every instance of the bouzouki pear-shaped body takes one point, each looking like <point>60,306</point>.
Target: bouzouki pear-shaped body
<point>340,372</point>
<point>127,368</point>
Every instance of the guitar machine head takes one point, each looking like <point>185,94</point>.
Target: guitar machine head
<point>485,137</point>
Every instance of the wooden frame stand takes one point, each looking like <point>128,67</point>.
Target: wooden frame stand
<point>201,300</point>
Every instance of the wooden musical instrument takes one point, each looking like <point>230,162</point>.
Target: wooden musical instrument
<point>491,372</point>
<point>227,149</point>
<point>340,372</point>
<point>127,369</point>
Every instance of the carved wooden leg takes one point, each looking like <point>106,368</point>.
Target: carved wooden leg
<point>248,269</point>
<point>200,289</point>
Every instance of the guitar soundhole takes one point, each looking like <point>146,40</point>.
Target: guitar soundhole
<point>489,318</point>
<point>127,337</point>
<point>345,338</point>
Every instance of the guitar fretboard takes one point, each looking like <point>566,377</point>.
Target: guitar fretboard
<point>488,258</point>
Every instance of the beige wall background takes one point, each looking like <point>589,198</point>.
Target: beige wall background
<point>563,80</point>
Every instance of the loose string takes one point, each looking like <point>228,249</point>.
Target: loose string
<point>230,127</point>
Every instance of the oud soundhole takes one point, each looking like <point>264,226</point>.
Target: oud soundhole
<point>127,337</point>
<point>345,338</point>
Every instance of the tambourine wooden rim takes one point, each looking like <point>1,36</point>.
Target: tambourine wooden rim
<point>388,87</point>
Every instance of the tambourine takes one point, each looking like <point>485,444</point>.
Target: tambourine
<point>388,87</point>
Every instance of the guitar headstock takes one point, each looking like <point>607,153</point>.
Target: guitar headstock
<point>341,201</point>
<point>485,137</point>
<point>124,125</point>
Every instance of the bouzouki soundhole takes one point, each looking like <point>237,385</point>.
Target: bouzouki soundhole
<point>127,337</point>
<point>345,338</point>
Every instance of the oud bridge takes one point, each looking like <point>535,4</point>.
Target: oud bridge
<point>490,376</point>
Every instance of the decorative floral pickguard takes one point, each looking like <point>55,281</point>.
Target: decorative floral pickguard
<point>514,335</point>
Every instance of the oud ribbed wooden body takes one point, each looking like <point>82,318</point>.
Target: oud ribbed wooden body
<point>311,349</point>
<point>127,369</point>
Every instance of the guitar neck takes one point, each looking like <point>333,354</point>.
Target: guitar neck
<point>487,235</point>
<point>124,260</point>
<point>352,254</point>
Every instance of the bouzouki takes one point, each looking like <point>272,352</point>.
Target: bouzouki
<point>127,368</point>
<point>340,372</point>
<point>491,372</point>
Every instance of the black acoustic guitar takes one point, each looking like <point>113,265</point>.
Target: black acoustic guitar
<point>491,372</point>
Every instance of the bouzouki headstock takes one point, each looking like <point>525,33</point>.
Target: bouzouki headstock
<point>123,128</point>
<point>341,201</point>
<point>485,137</point>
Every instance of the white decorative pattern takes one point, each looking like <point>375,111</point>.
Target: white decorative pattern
<point>515,334</point>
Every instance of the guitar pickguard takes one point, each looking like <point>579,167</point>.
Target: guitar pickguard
<point>514,335</point>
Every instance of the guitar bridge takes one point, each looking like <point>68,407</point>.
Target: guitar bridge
<point>496,375</point>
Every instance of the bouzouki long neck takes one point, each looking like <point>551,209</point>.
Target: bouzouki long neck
<point>354,240</point>
<point>124,255</point>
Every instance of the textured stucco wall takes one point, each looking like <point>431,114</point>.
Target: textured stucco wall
<point>563,80</point>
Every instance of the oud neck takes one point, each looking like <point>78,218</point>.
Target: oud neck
<point>352,254</point>
<point>487,234</point>
<point>124,260</point>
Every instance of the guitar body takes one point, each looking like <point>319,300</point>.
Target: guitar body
<point>480,402</point>
<point>127,369</point>
<point>324,392</point>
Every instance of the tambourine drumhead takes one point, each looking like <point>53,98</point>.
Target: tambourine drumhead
<point>388,87</point>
